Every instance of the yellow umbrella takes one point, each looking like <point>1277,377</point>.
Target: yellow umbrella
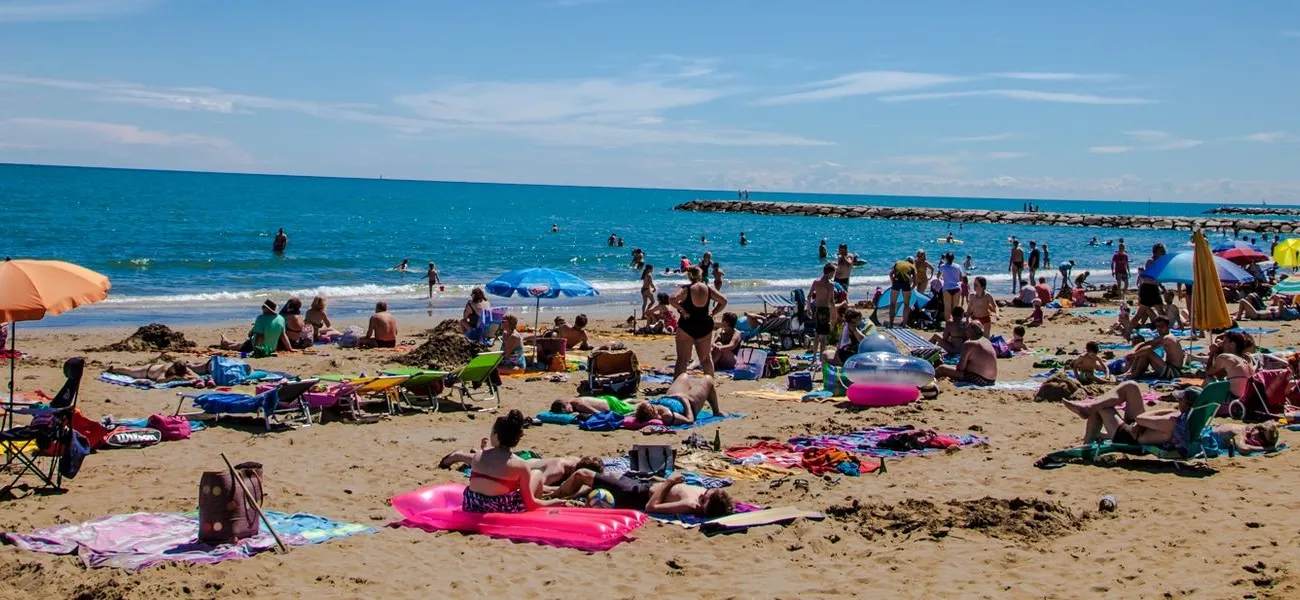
<point>1287,253</point>
<point>1209,308</point>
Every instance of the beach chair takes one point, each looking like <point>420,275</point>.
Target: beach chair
<point>51,431</point>
<point>1198,419</point>
<point>776,301</point>
<point>384,388</point>
<point>422,388</point>
<point>282,404</point>
<point>489,325</point>
<point>916,345</point>
<point>481,371</point>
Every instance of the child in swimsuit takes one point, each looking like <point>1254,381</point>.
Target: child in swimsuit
<point>499,481</point>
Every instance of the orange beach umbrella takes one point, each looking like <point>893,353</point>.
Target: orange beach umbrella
<point>32,289</point>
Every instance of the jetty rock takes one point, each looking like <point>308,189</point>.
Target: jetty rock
<point>919,213</point>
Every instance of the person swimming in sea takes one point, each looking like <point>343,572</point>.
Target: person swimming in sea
<point>555,228</point>
<point>821,250</point>
<point>1093,241</point>
<point>402,266</point>
<point>949,240</point>
<point>968,264</point>
<point>743,241</point>
<point>281,241</point>
<point>704,240</point>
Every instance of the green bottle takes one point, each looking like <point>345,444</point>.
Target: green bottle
<point>717,440</point>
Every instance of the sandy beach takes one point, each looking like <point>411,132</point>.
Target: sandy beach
<point>979,522</point>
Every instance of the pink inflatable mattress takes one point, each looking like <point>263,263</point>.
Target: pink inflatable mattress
<point>438,507</point>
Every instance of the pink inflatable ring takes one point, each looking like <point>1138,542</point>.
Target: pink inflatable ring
<point>882,394</point>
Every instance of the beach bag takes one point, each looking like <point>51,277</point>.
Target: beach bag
<point>550,353</point>
<point>171,427</point>
<point>1000,347</point>
<point>351,337</point>
<point>799,382</point>
<point>612,373</point>
<point>225,515</point>
<point>751,364</point>
<point>132,437</point>
<point>75,450</point>
<point>227,371</point>
<point>658,460</point>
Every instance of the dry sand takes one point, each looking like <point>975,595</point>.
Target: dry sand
<point>924,529</point>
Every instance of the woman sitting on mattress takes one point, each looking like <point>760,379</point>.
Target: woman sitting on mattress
<point>499,481</point>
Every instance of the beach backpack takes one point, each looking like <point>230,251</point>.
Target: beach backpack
<point>225,514</point>
<point>350,337</point>
<point>612,373</point>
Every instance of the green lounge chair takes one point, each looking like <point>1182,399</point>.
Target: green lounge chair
<point>422,387</point>
<point>482,370</point>
<point>1198,418</point>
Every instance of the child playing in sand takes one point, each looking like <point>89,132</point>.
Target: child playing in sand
<point>1036,318</point>
<point>1124,321</point>
<point>1087,366</point>
<point>1017,343</point>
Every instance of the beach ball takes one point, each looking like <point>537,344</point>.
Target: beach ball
<point>888,368</point>
<point>600,499</point>
<point>877,342</point>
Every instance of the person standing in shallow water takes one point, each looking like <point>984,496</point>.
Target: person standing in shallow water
<point>281,241</point>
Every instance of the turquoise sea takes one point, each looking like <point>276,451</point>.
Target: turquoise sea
<point>196,247</point>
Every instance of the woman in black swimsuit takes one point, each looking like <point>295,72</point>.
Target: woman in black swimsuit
<point>695,328</point>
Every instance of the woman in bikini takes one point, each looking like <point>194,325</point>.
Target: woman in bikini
<point>294,325</point>
<point>647,288</point>
<point>160,371</point>
<point>472,318</point>
<point>320,321</point>
<point>724,350</point>
<point>512,344</point>
<point>983,307</point>
<point>695,329</point>
<point>1229,361</point>
<point>499,481</point>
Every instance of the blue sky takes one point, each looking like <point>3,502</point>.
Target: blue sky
<point>1188,100</point>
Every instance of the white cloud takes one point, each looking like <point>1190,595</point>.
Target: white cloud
<point>28,11</point>
<point>594,112</point>
<point>123,134</point>
<point>1110,149</point>
<point>1160,140</point>
<point>996,137</point>
<point>1267,137</point>
<point>1049,76</point>
<point>865,83</point>
<point>1029,95</point>
<point>509,102</point>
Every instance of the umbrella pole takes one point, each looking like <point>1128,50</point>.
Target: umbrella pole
<point>8,421</point>
<point>537,315</point>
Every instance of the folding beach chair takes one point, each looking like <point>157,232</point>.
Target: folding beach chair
<point>378,389</point>
<point>776,301</point>
<point>421,389</point>
<point>1198,419</point>
<point>283,404</point>
<point>51,431</point>
<point>481,371</point>
<point>916,345</point>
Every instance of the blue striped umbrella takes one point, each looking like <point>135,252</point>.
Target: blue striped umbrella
<point>1177,268</point>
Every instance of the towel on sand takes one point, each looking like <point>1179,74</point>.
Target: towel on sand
<point>143,384</point>
<point>138,540</point>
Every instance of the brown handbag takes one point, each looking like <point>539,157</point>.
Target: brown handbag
<point>225,515</point>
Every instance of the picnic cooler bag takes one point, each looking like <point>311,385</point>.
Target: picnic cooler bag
<point>612,373</point>
<point>657,460</point>
<point>224,512</point>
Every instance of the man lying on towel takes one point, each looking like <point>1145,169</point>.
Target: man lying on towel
<point>590,405</point>
<point>979,362</point>
<point>670,496</point>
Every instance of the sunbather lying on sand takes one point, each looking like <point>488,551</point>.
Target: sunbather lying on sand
<point>684,400</point>
<point>665,496</point>
<point>162,371</point>
<point>1260,437</point>
<point>590,405</point>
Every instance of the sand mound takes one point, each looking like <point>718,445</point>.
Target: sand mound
<point>1068,318</point>
<point>446,349</point>
<point>154,337</point>
<point>1020,520</point>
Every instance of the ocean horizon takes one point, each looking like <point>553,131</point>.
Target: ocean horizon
<point>195,247</point>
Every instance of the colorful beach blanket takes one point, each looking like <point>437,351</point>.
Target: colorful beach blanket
<point>142,384</point>
<point>873,442</point>
<point>139,540</point>
<point>1029,385</point>
<point>707,418</point>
